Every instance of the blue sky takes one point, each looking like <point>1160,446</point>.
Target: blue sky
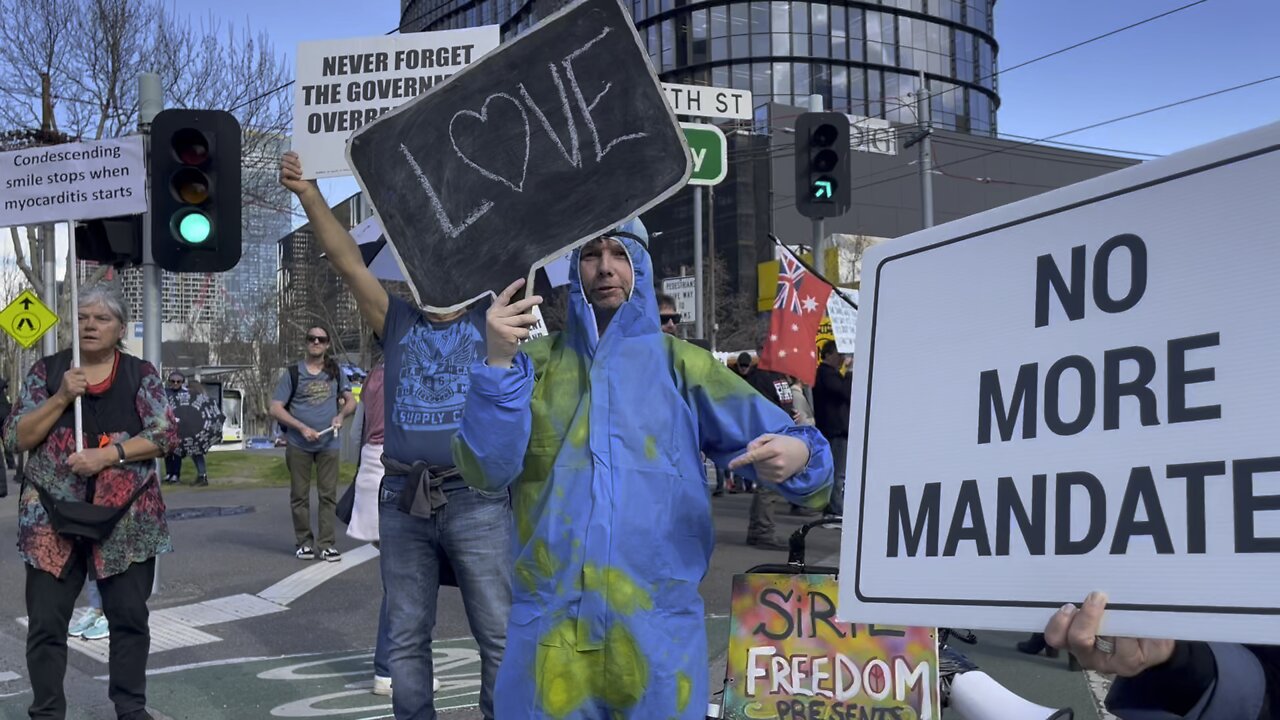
<point>1211,46</point>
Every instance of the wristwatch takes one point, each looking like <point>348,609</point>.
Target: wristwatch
<point>120,452</point>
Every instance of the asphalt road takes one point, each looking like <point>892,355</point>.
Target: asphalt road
<point>240,634</point>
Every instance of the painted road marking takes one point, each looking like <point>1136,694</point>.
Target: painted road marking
<point>7,676</point>
<point>175,627</point>
<point>304,581</point>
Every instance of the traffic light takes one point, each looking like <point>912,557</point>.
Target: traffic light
<point>113,241</point>
<point>195,190</point>
<point>822,164</point>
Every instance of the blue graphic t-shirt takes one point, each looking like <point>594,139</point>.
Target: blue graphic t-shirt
<point>427,376</point>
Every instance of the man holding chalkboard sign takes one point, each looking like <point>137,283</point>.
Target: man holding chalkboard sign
<point>426,512</point>
<point>598,431</point>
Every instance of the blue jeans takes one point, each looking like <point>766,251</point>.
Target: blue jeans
<point>474,532</point>
<point>382,650</point>
<point>839,456</point>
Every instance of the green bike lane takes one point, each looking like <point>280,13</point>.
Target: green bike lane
<point>329,685</point>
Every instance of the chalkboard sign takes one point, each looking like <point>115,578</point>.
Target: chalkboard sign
<point>544,143</point>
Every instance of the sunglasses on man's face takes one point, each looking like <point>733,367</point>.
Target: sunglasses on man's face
<point>673,318</point>
<point>317,339</point>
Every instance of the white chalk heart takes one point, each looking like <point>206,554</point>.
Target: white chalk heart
<point>483,117</point>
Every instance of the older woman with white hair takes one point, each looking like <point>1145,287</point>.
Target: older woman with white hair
<point>95,512</point>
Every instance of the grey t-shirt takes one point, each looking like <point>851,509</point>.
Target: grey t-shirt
<point>314,404</point>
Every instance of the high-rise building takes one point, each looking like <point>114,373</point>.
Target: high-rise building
<point>312,294</point>
<point>250,288</point>
<point>861,57</point>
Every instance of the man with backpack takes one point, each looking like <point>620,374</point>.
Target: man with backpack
<point>311,401</point>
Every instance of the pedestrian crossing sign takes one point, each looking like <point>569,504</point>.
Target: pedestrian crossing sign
<point>26,319</point>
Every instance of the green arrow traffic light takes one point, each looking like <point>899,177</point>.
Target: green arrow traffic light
<point>823,189</point>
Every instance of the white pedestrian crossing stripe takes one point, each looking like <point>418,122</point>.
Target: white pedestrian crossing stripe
<point>176,627</point>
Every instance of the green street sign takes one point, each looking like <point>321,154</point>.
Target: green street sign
<point>709,152</point>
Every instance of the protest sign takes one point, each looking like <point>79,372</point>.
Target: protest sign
<point>790,658</point>
<point>76,181</point>
<point>547,142</point>
<point>343,85</point>
<point>844,318</point>
<point>1093,408</point>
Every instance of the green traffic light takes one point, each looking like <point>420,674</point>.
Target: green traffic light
<point>194,228</point>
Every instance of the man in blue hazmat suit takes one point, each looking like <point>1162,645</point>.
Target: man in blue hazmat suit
<point>598,432</point>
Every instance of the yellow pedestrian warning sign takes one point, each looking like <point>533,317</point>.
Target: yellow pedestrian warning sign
<point>26,319</point>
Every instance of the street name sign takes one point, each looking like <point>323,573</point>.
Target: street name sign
<point>709,153</point>
<point>545,143</point>
<point>1077,392</point>
<point>75,181</point>
<point>26,319</point>
<point>343,85</point>
<point>708,102</point>
<point>682,289</point>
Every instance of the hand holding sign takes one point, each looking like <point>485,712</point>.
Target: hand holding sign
<point>775,457</point>
<point>508,324</point>
<point>1077,630</point>
<point>291,175</point>
<point>74,384</point>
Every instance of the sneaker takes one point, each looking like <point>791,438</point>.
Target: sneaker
<point>86,621</point>
<point>202,481</point>
<point>99,630</point>
<point>768,542</point>
<point>171,479</point>
<point>381,685</point>
<point>305,553</point>
<point>330,555</point>
<point>435,684</point>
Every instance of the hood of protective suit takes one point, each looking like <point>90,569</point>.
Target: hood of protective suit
<point>637,316</point>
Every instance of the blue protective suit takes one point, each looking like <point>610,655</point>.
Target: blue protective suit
<point>599,439</point>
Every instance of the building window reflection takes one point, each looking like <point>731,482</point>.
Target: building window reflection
<point>864,60</point>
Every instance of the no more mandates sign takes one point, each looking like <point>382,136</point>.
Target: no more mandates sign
<point>1077,392</point>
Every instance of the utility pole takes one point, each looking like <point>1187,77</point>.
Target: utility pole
<point>45,235</point>
<point>926,151</point>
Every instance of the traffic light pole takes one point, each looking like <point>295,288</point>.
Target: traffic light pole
<point>698,327</point>
<point>819,254</point>
<point>819,224</point>
<point>150,103</point>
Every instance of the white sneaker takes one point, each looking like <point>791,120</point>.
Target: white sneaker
<point>435,684</point>
<point>381,685</point>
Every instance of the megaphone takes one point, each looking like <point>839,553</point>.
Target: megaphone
<point>975,696</point>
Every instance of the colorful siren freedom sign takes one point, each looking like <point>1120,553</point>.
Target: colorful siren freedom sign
<point>790,658</point>
<point>544,143</point>
<point>1077,392</point>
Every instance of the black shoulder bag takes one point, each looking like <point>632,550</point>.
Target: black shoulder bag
<point>74,519</point>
